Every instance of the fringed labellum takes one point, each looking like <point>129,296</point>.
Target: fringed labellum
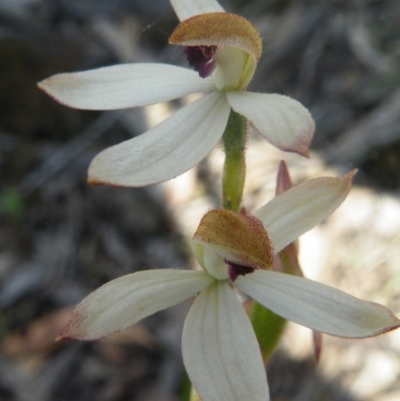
<point>223,44</point>
<point>239,240</point>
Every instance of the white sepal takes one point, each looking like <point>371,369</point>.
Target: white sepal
<point>123,86</point>
<point>185,9</point>
<point>166,151</point>
<point>299,209</point>
<point>220,350</point>
<point>283,121</point>
<point>317,306</point>
<point>125,300</point>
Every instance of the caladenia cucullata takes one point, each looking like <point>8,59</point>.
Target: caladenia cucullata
<point>234,248</point>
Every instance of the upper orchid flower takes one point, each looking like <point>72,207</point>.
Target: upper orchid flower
<point>224,50</point>
<point>220,350</point>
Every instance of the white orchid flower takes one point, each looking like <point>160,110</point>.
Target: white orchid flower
<point>224,50</point>
<point>220,350</point>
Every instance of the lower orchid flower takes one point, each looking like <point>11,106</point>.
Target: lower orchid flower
<point>220,350</point>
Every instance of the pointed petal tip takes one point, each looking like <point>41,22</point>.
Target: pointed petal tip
<point>283,180</point>
<point>305,153</point>
<point>124,301</point>
<point>347,179</point>
<point>395,326</point>
<point>389,323</point>
<point>74,330</point>
<point>98,182</point>
<point>351,174</point>
<point>94,181</point>
<point>283,167</point>
<point>50,86</point>
<point>100,165</point>
<point>302,147</point>
<point>40,85</point>
<point>45,88</point>
<point>63,338</point>
<point>317,340</point>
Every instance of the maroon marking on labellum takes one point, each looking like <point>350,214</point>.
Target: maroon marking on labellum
<point>201,59</point>
<point>235,270</point>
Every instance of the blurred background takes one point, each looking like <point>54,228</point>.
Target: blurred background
<point>60,238</point>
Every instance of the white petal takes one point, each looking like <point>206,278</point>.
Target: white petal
<point>317,306</point>
<point>283,121</point>
<point>299,209</point>
<point>122,302</point>
<point>220,350</point>
<point>166,151</point>
<point>189,8</point>
<point>123,86</point>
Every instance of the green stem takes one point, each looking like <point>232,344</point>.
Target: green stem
<point>234,172</point>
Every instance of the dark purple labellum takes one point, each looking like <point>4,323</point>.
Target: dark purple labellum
<point>201,59</point>
<point>235,270</point>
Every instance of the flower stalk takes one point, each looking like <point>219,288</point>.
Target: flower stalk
<point>234,172</point>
